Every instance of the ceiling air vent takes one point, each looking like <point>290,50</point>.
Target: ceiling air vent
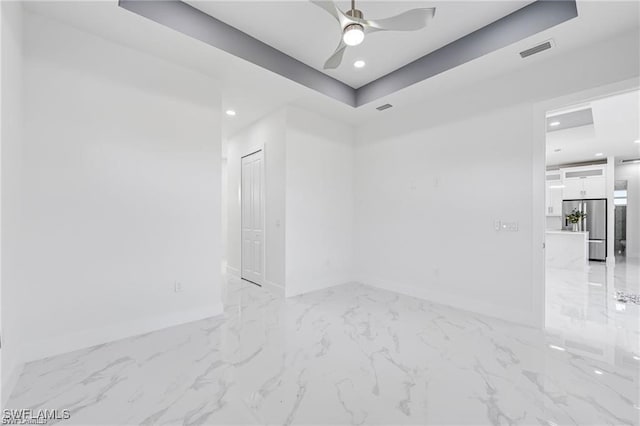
<point>537,49</point>
<point>383,107</point>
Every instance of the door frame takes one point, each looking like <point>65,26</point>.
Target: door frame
<point>264,217</point>
<point>539,141</point>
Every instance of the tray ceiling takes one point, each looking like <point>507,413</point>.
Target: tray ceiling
<point>277,18</point>
<point>309,34</point>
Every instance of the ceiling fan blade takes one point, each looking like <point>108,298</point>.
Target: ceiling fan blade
<point>335,60</point>
<point>329,6</point>
<point>411,20</point>
<point>332,9</point>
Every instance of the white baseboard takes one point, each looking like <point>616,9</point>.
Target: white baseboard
<point>233,271</point>
<point>525,318</point>
<point>274,287</point>
<point>57,345</point>
<point>9,382</point>
<point>310,286</point>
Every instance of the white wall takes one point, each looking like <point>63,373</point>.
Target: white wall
<point>320,212</point>
<point>611,211</point>
<point>309,232</point>
<point>432,179</point>
<point>268,134</point>
<point>631,173</point>
<point>554,223</point>
<point>121,187</point>
<point>426,206</point>
<point>10,137</point>
<point>224,218</point>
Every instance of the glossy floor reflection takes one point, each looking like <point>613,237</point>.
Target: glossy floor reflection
<point>582,312</point>
<point>351,354</point>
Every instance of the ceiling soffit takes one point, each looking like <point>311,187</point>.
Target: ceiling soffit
<point>525,22</point>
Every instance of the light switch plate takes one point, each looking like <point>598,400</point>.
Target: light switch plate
<point>510,226</point>
<point>505,226</point>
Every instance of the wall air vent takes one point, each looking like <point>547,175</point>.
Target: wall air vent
<point>631,160</point>
<point>537,49</point>
<point>383,107</point>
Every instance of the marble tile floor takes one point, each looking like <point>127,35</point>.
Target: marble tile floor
<point>582,309</point>
<point>350,354</point>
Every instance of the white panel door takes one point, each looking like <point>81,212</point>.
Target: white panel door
<point>252,200</point>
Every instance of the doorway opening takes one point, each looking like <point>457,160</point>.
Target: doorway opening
<point>620,203</point>
<point>252,218</point>
<point>592,254</point>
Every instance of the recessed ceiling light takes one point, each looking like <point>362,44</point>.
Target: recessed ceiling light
<point>359,63</point>
<point>598,372</point>
<point>599,154</point>
<point>636,357</point>
<point>230,113</point>
<point>637,141</point>
<point>554,123</point>
<point>557,348</point>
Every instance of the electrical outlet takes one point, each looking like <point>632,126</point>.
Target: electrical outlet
<point>177,287</point>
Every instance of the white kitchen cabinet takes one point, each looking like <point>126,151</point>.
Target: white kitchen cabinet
<point>584,188</point>
<point>580,172</point>
<point>595,187</point>
<point>554,197</point>
<point>585,182</point>
<point>572,190</point>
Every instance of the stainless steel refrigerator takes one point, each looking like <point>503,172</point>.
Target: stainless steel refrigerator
<point>595,223</point>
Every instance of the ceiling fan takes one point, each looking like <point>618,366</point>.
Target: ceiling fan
<point>355,27</point>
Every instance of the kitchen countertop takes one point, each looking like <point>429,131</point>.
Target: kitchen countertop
<point>568,232</point>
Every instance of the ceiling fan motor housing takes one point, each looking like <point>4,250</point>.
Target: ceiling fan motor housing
<point>355,27</point>
<point>355,13</point>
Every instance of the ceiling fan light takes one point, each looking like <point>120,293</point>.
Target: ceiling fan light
<point>353,34</point>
